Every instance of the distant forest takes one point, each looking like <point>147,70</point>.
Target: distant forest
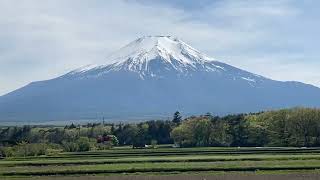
<point>297,127</point>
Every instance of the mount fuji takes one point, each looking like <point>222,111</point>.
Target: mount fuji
<point>152,77</point>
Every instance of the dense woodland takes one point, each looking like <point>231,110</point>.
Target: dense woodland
<point>299,127</point>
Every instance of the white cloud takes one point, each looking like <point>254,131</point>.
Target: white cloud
<point>44,39</point>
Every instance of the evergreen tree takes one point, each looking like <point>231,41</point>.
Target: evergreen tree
<point>209,115</point>
<point>72,126</point>
<point>112,130</point>
<point>177,118</point>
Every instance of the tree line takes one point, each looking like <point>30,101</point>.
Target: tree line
<point>299,127</point>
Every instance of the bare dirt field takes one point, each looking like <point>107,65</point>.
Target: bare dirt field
<point>244,176</point>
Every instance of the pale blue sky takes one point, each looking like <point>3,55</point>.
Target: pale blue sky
<point>42,39</point>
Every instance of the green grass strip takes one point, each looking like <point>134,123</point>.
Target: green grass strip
<point>156,170</point>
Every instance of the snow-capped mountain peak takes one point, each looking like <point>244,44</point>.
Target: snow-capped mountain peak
<point>154,55</point>
<point>159,57</point>
<point>151,47</point>
<point>150,78</point>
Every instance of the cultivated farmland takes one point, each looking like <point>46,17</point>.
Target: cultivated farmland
<point>124,163</point>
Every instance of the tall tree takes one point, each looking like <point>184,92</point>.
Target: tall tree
<point>177,118</point>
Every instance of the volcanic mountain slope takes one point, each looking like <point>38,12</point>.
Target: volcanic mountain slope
<point>152,77</point>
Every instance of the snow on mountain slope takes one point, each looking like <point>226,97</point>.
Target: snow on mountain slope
<point>159,56</point>
<point>152,47</point>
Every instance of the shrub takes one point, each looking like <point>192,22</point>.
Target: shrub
<point>114,140</point>
<point>34,149</point>
<point>8,152</point>
<point>2,152</point>
<point>70,146</point>
<point>83,144</point>
<point>53,152</point>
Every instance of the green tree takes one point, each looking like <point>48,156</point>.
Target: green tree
<point>182,136</point>
<point>237,129</point>
<point>177,118</point>
<point>83,144</point>
<point>200,131</point>
<point>127,134</point>
<point>70,146</point>
<point>140,140</point>
<point>114,140</point>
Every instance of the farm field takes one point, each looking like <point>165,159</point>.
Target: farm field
<point>124,163</point>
